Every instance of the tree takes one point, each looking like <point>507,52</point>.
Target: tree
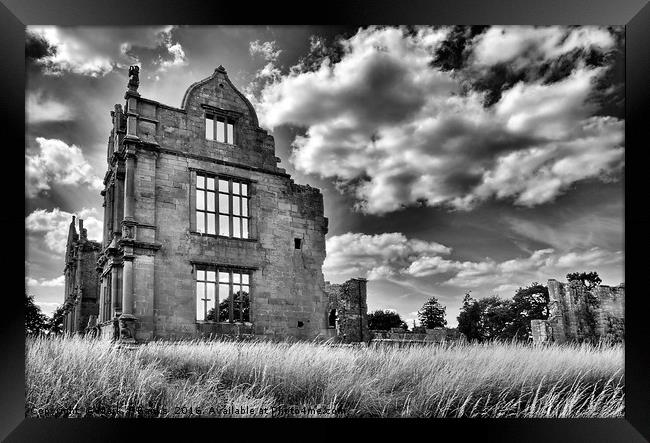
<point>432,314</point>
<point>35,320</point>
<point>496,318</point>
<point>55,323</point>
<point>485,319</point>
<point>589,279</point>
<point>385,320</point>
<point>469,318</point>
<point>529,303</point>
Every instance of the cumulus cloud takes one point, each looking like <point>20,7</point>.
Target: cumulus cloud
<point>51,283</point>
<point>503,276</point>
<point>52,226</point>
<point>268,50</point>
<point>374,256</point>
<point>389,126</point>
<point>97,51</point>
<point>163,52</point>
<point>268,73</point>
<point>178,56</point>
<point>396,258</point>
<point>40,108</point>
<point>64,53</point>
<point>57,163</point>
<point>522,45</point>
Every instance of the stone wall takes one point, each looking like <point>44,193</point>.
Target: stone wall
<point>168,149</point>
<point>433,335</point>
<point>81,287</point>
<point>579,314</point>
<point>349,302</point>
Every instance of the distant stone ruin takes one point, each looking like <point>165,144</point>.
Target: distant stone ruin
<point>348,310</point>
<point>81,287</point>
<point>433,335</point>
<point>577,313</point>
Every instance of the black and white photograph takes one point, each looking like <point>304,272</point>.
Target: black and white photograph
<point>325,221</point>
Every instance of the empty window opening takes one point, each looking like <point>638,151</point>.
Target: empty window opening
<point>297,243</point>
<point>222,206</point>
<point>221,129</point>
<point>222,294</point>
<point>300,324</point>
<point>332,318</point>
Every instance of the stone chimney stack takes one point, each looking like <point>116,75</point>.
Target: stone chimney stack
<point>72,232</point>
<point>82,231</point>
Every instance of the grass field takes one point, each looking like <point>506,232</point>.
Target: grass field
<point>72,377</point>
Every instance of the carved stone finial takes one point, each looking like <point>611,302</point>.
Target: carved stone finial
<point>221,69</point>
<point>134,77</point>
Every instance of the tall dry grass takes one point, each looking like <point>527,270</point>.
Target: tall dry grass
<point>71,376</point>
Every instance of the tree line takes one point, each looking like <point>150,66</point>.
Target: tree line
<point>487,318</point>
<point>38,323</point>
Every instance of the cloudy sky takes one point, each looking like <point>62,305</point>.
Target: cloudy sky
<point>451,159</point>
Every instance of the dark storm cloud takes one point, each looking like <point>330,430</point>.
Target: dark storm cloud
<point>37,47</point>
<point>452,53</point>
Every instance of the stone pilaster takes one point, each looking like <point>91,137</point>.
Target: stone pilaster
<point>115,301</point>
<point>129,185</point>
<point>127,319</point>
<point>127,284</point>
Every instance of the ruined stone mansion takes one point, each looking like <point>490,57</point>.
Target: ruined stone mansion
<point>578,313</point>
<point>204,234</point>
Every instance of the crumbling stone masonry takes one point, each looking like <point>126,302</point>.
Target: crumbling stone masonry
<point>204,234</point>
<point>433,335</point>
<point>348,310</point>
<point>81,288</point>
<point>580,314</point>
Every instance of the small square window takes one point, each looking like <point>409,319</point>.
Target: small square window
<point>221,129</point>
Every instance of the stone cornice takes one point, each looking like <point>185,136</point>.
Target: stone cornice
<point>139,244</point>
<point>235,115</point>
<point>212,173</point>
<point>204,158</point>
<point>222,264</point>
<point>162,105</point>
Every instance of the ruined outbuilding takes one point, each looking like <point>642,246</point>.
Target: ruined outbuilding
<point>425,335</point>
<point>577,313</point>
<point>348,310</point>
<point>204,235</point>
<point>81,287</point>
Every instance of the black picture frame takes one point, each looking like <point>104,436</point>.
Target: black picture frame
<point>634,14</point>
